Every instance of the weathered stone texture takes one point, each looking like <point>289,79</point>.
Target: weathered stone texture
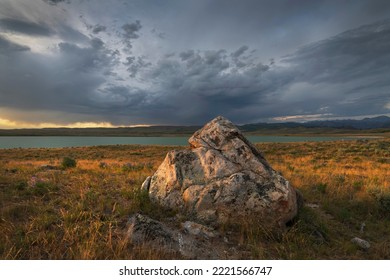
<point>222,177</point>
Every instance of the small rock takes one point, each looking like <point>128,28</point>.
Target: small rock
<point>312,205</point>
<point>146,184</point>
<point>361,243</point>
<point>142,228</point>
<point>198,229</point>
<point>362,226</point>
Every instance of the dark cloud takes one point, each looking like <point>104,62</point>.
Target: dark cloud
<point>135,65</point>
<point>64,31</point>
<point>343,75</point>
<point>55,2</point>
<point>169,55</point>
<point>240,51</point>
<point>215,59</point>
<point>333,74</point>
<point>346,73</point>
<point>84,59</point>
<point>119,97</point>
<point>352,55</point>
<point>20,26</point>
<point>186,55</point>
<point>97,43</point>
<point>204,83</point>
<point>131,30</point>
<point>68,82</point>
<point>239,59</point>
<point>30,84</point>
<point>68,33</point>
<point>98,28</point>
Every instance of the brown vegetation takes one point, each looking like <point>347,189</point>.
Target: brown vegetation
<point>80,212</point>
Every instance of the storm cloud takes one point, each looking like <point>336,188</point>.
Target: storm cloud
<point>255,61</point>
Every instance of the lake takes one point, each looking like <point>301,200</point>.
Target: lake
<point>8,142</point>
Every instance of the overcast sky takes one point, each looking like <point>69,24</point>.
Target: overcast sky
<point>175,62</point>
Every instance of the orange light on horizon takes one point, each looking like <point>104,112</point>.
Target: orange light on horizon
<point>9,124</point>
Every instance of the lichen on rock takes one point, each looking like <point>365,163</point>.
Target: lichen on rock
<point>222,177</point>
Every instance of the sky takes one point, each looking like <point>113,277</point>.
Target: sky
<point>80,63</point>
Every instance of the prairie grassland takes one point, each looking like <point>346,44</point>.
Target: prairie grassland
<point>54,212</point>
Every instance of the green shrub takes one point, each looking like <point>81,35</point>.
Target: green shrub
<point>21,185</point>
<point>384,201</point>
<point>357,185</point>
<point>382,197</point>
<point>68,162</point>
<point>321,187</point>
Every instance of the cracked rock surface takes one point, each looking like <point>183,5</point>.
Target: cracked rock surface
<point>222,177</point>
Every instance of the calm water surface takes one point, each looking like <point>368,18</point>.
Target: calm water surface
<point>8,142</point>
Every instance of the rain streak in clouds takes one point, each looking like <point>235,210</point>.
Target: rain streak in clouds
<point>137,62</point>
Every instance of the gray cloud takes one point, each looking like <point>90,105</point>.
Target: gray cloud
<point>8,47</point>
<point>98,66</point>
<point>204,83</point>
<point>119,97</point>
<point>131,30</point>
<point>20,26</point>
<point>355,54</point>
<point>343,75</point>
<point>240,51</point>
<point>198,85</point>
<point>98,28</point>
<point>346,73</point>
<point>187,54</point>
<point>68,82</point>
<point>64,31</point>
<point>135,65</point>
<point>68,33</point>
<point>55,2</point>
<point>160,35</point>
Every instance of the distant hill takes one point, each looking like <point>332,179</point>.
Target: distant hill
<point>367,123</point>
<point>370,125</point>
<point>381,122</point>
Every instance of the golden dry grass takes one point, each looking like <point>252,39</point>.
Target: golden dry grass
<point>81,212</point>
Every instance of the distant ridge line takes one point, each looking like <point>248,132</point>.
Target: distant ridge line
<point>380,124</point>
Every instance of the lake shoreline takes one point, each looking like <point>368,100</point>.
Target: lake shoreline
<point>46,142</point>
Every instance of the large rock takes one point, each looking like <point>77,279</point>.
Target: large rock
<point>223,177</point>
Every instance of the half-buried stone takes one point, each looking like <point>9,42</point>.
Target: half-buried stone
<point>222,178</point>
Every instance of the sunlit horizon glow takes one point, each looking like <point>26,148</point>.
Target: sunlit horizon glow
<point>9,124</point>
